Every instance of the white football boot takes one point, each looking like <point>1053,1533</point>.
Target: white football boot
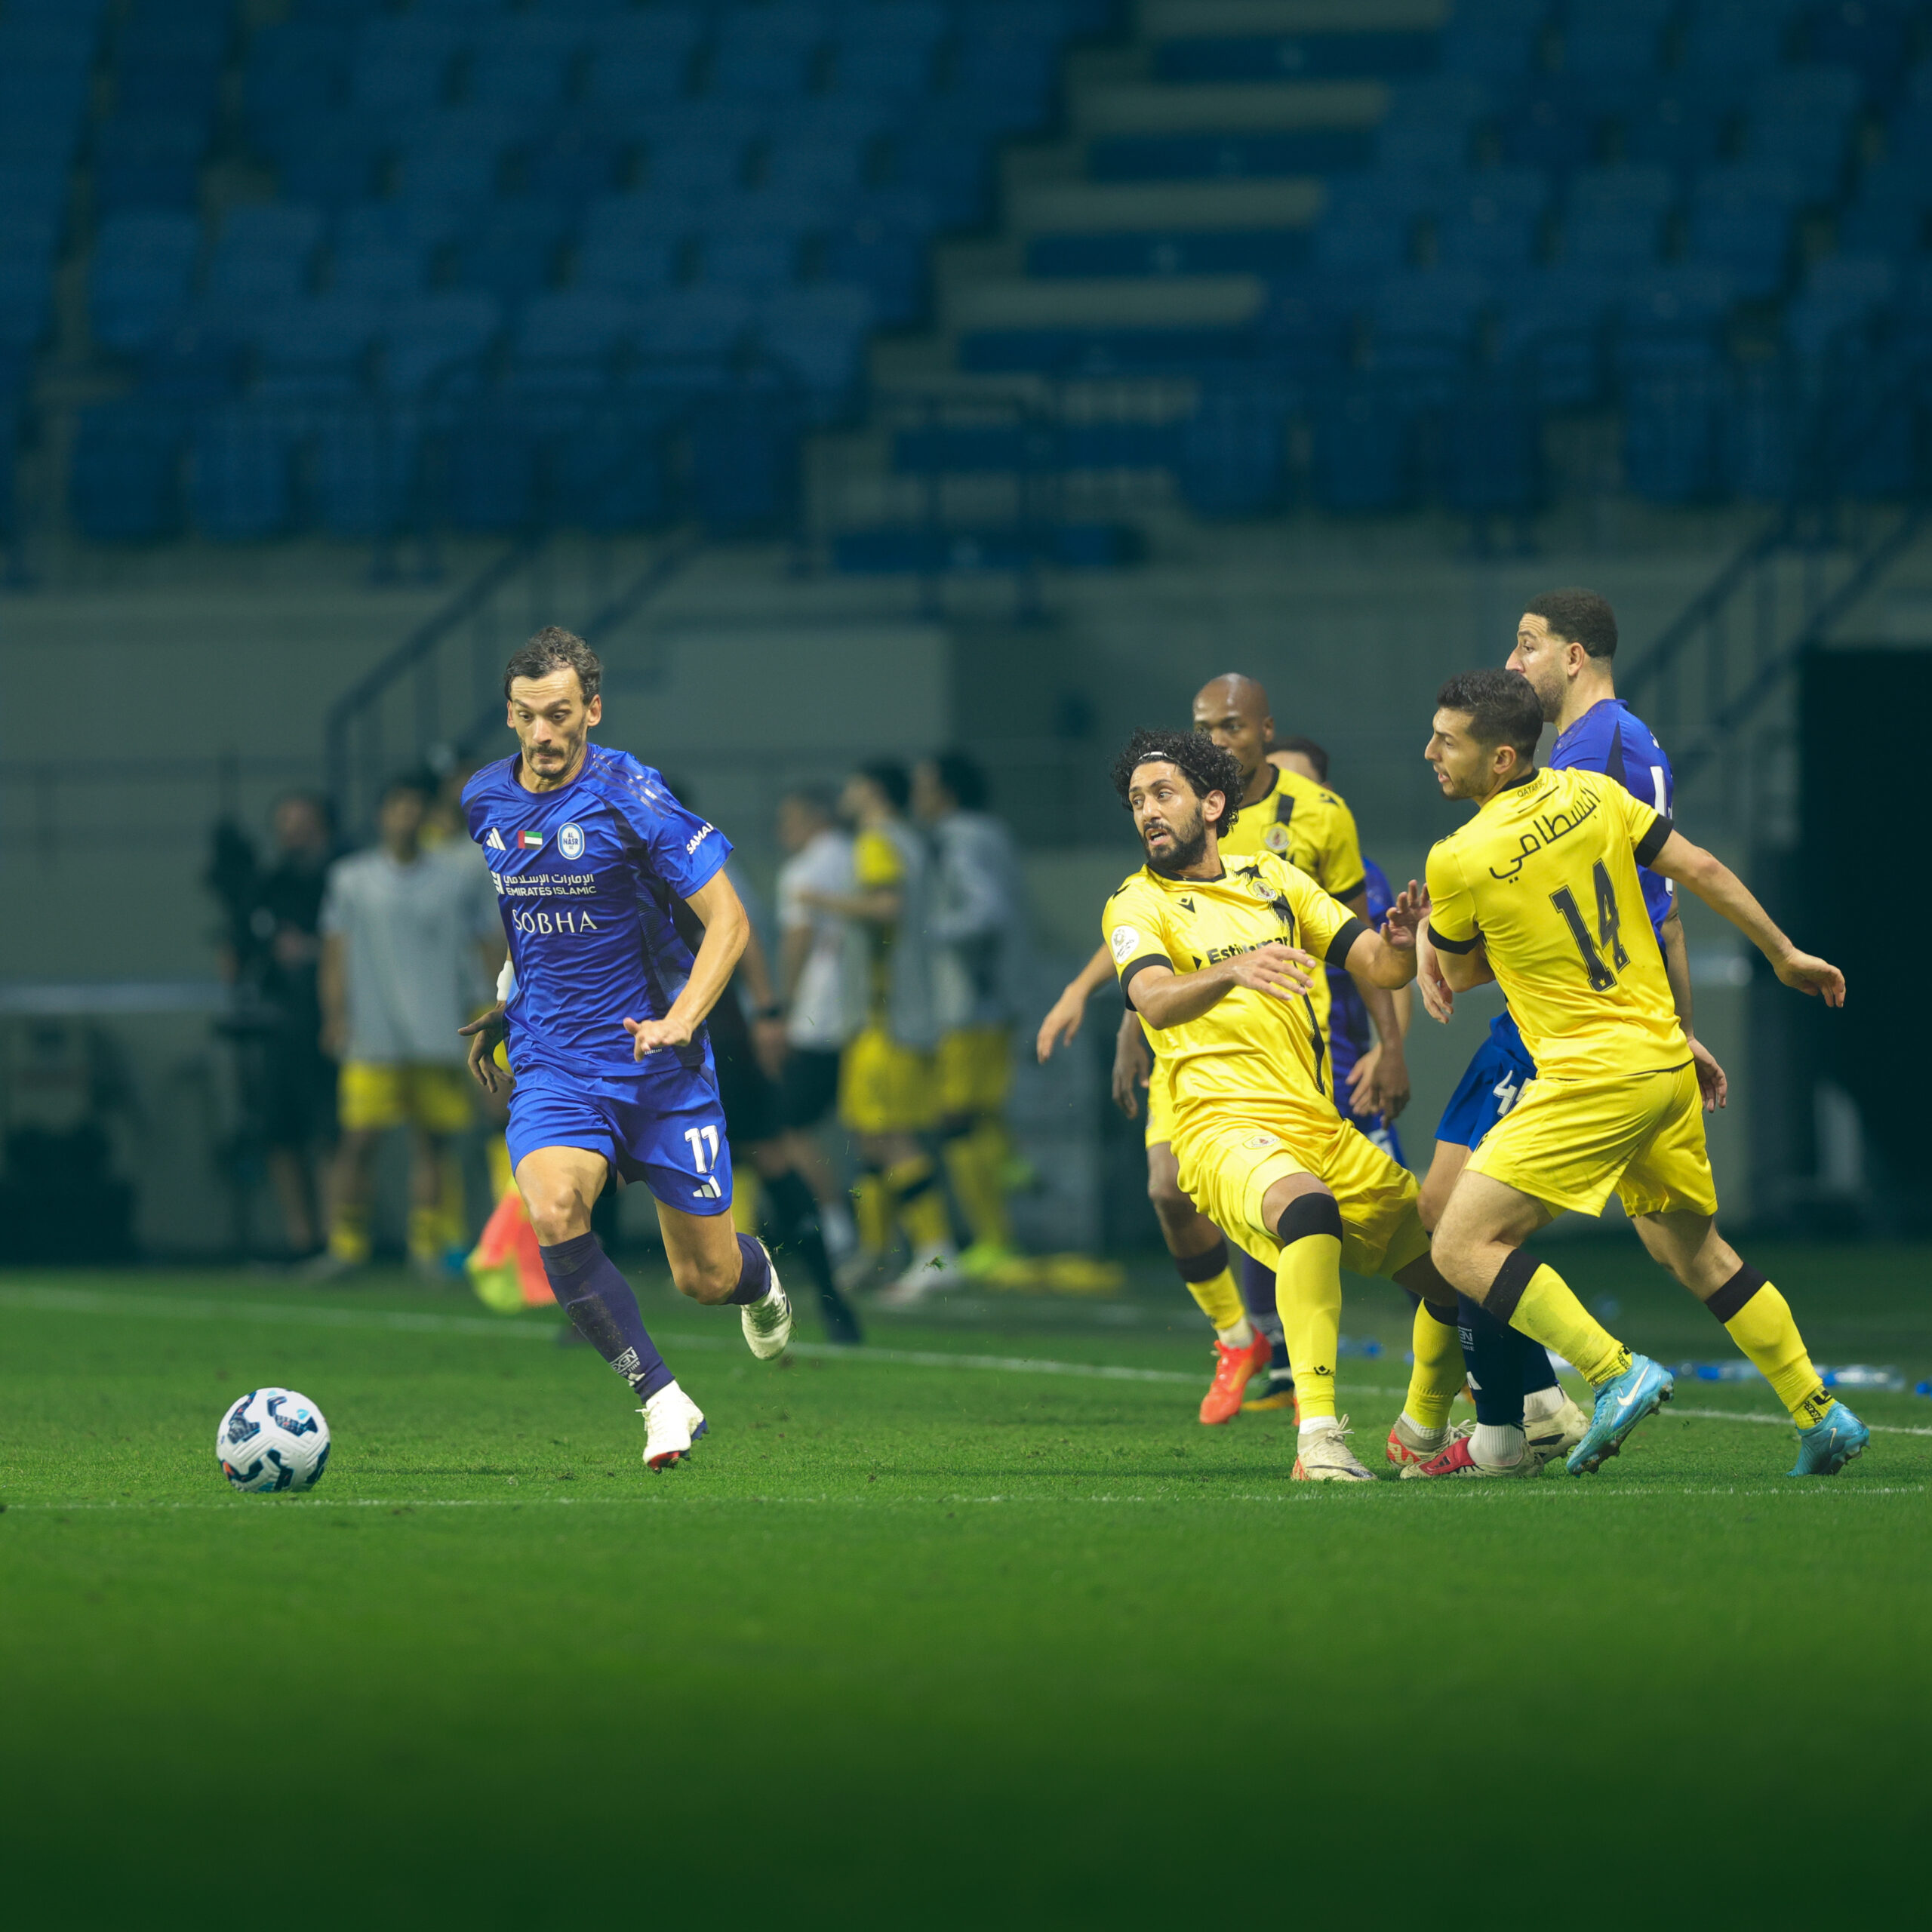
<point>672,1422</point>
<point>1325,1456</point>
<point>768,1323</point>
<point>1548,1437</point>
<point>930,1270</point>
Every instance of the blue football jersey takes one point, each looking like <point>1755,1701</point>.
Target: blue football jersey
<point>1610,737</point>
<point>1350,1035</point>
<point>586,879</point>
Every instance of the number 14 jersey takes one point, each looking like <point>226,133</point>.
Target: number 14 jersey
<point>1546,876</point>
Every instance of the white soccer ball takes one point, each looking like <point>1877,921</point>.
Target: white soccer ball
<point>272,1439</point>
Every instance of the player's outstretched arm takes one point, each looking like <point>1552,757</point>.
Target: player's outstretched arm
<point>484,1033</point>
<point>1164,998</point>
<point>722,913</point>
<point>1064,1016</point>
<point>1723,892</point>
<point>1133,1065</point>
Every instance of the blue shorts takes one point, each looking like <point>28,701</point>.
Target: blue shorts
<point>666,1130</point>
<point>1498,1073</point>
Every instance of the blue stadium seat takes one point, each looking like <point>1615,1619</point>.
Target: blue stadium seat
<point>1614,38</point>
<point>1889,216</point>
<point>327,161</point>
<point>149,160</point>
<point>1764,423</point>
<point>1873,37</point>
<point>874,61</point>
<point>1553,123</point>
<point>486,473</point>
<point>1230,156</point>
<point>1264,251</point>
<point>1231,458</point>
<point>1840,293</point>
<point>427,341</point>
<point>265,256</point>
<point>1384,53</point>
<point>365,464</point>
<point>1431,124</point>
<point>1685,300</point>
<point>754,259</point>
<point>26,304</point>
<point>571,163</point>
<point>1551,326</point>
<point>819,335</point>
<point>1731,37</point>
<point>456,157</point>
<point>744,458</point>
<point>565,342</point>
<point>949,161</point>
<point>524,61</point>
<point>1492,446</point>
<point>513,249</point>
<point>686,335</point>
<point>642,59</point>
<point>317,350</point>
<point>1678,122</point>
<point>124,477</point>
<point>606,472</point>
<point>767,53</point>
<point>1801,121</point>
<point>630,243</point>
<point>883,249</point>
<point>239,471</point>
<point>402,66</point>
<point>1363,438</point>
<point>294,69</point>
<point>139,281</point>
<point>1488,222</point>
<point>378,268</point>
<point>1673,431</point>
<point>192,365</point>
<point>1495,39</point>
<point>1741,222</point>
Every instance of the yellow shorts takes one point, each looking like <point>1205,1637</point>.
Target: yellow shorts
<point>1227,1168</point>
<point>372,1097</point>
<point>1160,1099</point>
<point>975,1070</point>
<point>885,1087</point>
<point>1570,1143</point>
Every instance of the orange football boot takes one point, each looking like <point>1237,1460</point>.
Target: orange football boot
<point>1232,1367</point>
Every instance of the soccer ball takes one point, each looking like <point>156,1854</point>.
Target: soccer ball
<point>272,1439</point>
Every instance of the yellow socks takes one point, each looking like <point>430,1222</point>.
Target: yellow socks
<point>348,1234</point>
<point>1536,1299</point>
<point>921,1206</point>
<point>496,1153</point>
<point>1308,1292</point>
<point>974,1161</point>
<point>1211,1283</point>
<point>1759,1319</point>
<point>1436,1379</point>
<point>745,1199</point>
<point>871,1211</point>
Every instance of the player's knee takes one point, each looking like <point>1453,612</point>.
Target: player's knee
<point>1310,1211</point>
<point>704,1278</point>
<point>556,1213</point>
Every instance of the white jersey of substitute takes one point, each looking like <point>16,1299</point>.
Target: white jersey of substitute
<point>977,923</point>
<point>412,936</point>
<point>828,1005</point>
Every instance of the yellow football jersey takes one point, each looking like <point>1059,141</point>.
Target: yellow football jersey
<point>1546,876</point>
<point>1249,1050</point>
<point>1305,824</point>
<point>878,866</point>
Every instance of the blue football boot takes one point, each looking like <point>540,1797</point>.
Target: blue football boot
<point>1622,1402</point>
<point>1826,1446</point>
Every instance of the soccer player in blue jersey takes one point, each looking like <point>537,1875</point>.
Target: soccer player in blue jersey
<point>604,1033</point>
<point>1566,647</point>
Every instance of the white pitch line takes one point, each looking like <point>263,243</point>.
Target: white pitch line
<point>89,1301</point>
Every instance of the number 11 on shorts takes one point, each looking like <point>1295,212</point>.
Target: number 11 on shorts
<point>704,1147</point>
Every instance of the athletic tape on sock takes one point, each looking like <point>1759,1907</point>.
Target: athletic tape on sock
<point>1512,1279</point>
<point>1730,1298</point>
<point>1312,1214</point>
<point>1202,1267</point>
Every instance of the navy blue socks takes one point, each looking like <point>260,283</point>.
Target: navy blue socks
<point>754,1273</point>
<point>599,1301</point>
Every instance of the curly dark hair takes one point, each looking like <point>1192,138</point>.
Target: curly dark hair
<point>1503,709</point>
<point>1199,760</point>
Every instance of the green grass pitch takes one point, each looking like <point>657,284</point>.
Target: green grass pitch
<point>925,1640</point>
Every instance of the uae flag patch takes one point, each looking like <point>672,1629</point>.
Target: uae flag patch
<point>530,841</point>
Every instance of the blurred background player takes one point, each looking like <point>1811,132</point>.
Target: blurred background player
<point>822,972</point>
<point>1566,646</point>
<point>977,928</point>
<point>411,945</point>
<point>887,1096</point>
<point>748,1045</point>
<point>271,955</point>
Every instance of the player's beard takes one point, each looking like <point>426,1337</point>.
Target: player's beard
<point>1189,845</point>
<point>1549,696</point>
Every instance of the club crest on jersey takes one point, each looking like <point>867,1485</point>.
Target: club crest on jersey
<point>1122,940</point>
<point>570,841</point>
<point>530,841</point>
<point>1276,838</point>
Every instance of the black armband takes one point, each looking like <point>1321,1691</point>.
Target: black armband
<point>1337,954</point>
<point>1443,942</point>
<point>1133,966</point>
<point>1653,840</point>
